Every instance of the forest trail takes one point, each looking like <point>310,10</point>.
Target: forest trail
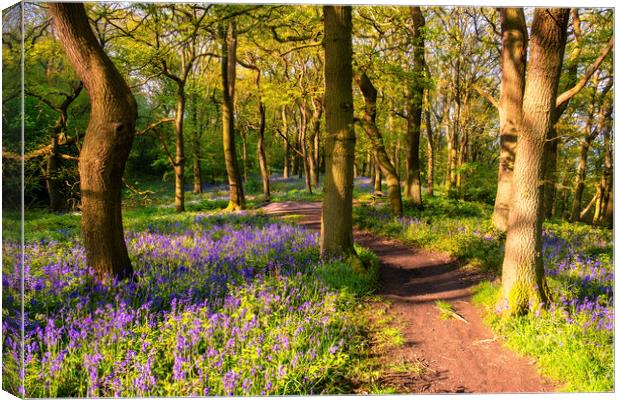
<point>458,356</point>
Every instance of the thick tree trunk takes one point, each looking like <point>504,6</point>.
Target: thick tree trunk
<point>229,56</point>
<point>376,140</point>
<point>179,161</point>
<point>523,281</point>
<point>337,215</point>
<point>196,165</point>
<point>513,61</point>
<point>413,183</point>
<point>106,145</point>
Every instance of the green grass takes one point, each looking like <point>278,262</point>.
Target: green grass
<point>567,353</point>
<point>446,311</point>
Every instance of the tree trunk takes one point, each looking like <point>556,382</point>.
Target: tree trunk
<point>513,61</point>
<point>285,168</point>
<point>179,162</point>
<point>229,56</point>
<point>303,128</point>
<point>337,215</point>
<point>413,183</point>
<point>581,176</point>
<point>196,165</point>
<point>377,179</point>
<point>262,159</point>
<point>106,145</point>
<point>430,148</point>
<point>376,140</point>
<point>52,181</point>
<point>244,155</point>
<point>313,142</point>
<point>523,281</point>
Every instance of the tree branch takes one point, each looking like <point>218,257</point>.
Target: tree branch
<point>567,95</point>
<point>486,95</point>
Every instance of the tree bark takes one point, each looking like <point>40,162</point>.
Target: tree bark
<point>285,168</point>
<point>337,215</point>
<point>523,280</point>
<point>430,148</point>
<point>196,166</point>
<point>229,63</point>
<point>382,159</point>
<point>179,161</point>
<point>303,129</point>
<point>106,146</point>
<point>317,112</point>
<point>378,184</point>
<point>413,183</point>
<point>260,148</point>
<point>513,61</point>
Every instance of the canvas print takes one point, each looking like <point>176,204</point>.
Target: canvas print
<point>225,199</point>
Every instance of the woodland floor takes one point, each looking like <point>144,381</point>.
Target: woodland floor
<point>457,356</point>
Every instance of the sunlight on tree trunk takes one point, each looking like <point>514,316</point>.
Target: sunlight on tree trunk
<point>228,37</point>
<point>382,159</point>
<point>513,61</point>
<point>523,280</point>
<point>337,215</point>
<point>106,146</point>
<point>413,183</point>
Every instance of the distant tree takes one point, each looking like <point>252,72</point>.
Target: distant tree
<point>523,280</point>
<point>373,133</point>
<point>107,142</point>
<point>337,216</point>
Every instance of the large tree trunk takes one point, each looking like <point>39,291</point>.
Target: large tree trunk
<point>377,180</point>
<point>523,281</point>
<point>337,215</point>
<point>382,158</point>
<point>413,183</point>
<point>229,63</point>
<point>179,161</point>
<point>196,165</point>
<point>513,61</point>
<point>106,146</point>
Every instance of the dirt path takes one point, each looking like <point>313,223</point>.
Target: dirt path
<point>459,357</point>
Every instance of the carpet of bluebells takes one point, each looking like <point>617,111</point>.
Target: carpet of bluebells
<point>220,305</point>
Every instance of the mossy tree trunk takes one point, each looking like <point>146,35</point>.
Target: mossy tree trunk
<point>337,215</point>
<point>413,183</point>
<point>523,280</point>
<point>106,146</point>
<point>376,140</point>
